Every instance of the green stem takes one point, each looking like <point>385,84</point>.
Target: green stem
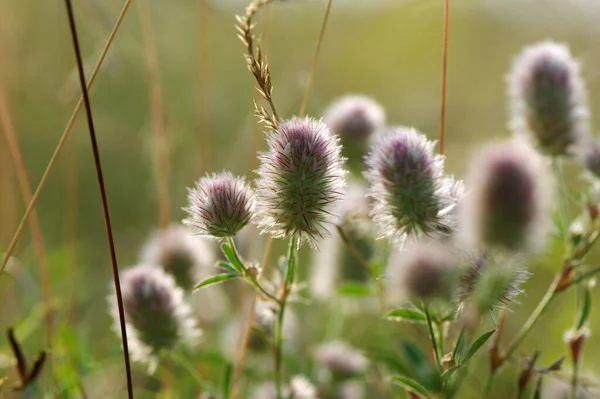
<point>489,383</point>
<point>533,318</point>
<point>575,380</point>
<point>246,274</point>
<point>290,272</point>
<point>432,336</point>
<point>440,336</point>
<point>259,287</point>
<point>187,366</point>
<point>562,204</point>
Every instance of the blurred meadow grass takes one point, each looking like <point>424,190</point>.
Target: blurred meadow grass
<point>389,50</point>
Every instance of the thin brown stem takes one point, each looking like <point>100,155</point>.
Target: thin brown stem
<point>59,147</point>
<point>444,67</point>
<point>237,368</point>
<point>204,83</point>
<point>315,60</point>
<point>38,241</point>
<point>161,145</point>
<point>98,166</point>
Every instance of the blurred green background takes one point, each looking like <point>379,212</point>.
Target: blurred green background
<point>390,50</point>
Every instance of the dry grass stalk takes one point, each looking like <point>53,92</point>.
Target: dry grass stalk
<point>315,60</point>
<point>59,147</point>
<point>444,65</point>
<point>100,178</point>
<point>204,84</point>
<point>161,144</point>
<point>34,224</point>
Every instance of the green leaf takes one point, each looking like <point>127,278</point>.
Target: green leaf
<point>448,373</point>
<point>226,382</point>
<point>232,257</point>
<point>477,344</point>
<point>408,314</point>
<point>387,358</point>
<point>227,266</point>
<point>354,289</point>
<point>412,385</point>
<point>586,305</point>
<point>216,279</point>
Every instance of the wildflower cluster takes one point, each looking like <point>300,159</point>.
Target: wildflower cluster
<point>395,230</point>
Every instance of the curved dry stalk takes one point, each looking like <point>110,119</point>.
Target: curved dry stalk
<point>161,144</point>
<point>59,147</point>
<point>34,223</point>
<point>315,60</point>
<point>96,153</point>
<point>444,68</point>
<point>204,85</point>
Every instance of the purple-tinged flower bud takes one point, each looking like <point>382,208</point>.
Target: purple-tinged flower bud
<point>407,186</point>
<point>507,203</point>
<point>547,98</point>
<point>590,157</point>
<point>219,206</point>
<point>300,179</point>
<point>341,359</point>
<point>356,119</point>
<point>186,257</point>
<point>189,259</point>
<point>302,388</point>
<point>156,316</point>
<point>422,270</point>
<point>489,282</point>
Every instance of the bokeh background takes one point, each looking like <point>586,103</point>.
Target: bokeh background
<point>202,102</point>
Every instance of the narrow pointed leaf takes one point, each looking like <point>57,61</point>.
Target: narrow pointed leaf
<point>354,289</point>
<point>412,385</point>
<point>477,344</point>
<point>230,255</point>
<point>216,279</point>
<point>227,266</point>
<point>407,314</point>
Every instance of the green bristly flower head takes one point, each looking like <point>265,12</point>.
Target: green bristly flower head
<point>219,206</point>
<point>300,179</point>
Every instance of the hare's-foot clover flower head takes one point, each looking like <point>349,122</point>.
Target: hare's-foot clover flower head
<point>219,206</point>
<point>354,117</point>
<point>156,316</point>
<point>186,257</point>
<point>547,98</point>
<point>489,281</point>
<point>507,203</point>
<point>423,270</point>
<point>300,179</point>
<point>407,185</point>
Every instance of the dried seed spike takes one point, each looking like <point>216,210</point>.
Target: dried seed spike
<point>37,368</point>
<point>16,348</point>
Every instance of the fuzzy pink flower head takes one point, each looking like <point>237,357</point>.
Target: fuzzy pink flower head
<point>508,201</point>
<point>156,315</point>
<point>354,117</point>
<point>411,196</point>
<point>300,180</point>
<point>423,269</point>
<point>219,206</point>
<point>547,98</point>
